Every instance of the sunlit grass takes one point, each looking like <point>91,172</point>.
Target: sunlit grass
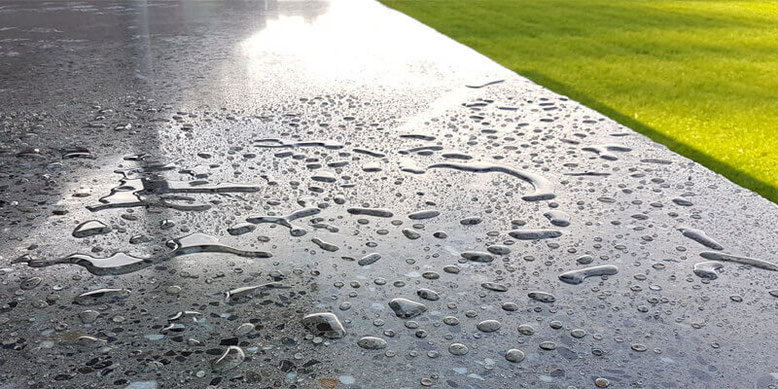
<point>698,76</point>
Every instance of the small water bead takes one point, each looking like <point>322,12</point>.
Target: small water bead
<point>488,326</point>
<point>425,214</point>
<point>431,275</point>
<point>708,270</point>
<point>230,359</point>
<point>91,341</point>
<point>542,297</point>
<point>428,294</point>
<point>166,224</point>
<point>602,382</point>
<point>88,316</point>
<point>173,289</point>
<point>30,283</point>
<point>736,298</point>
<point>535,234</point>
<point>38,303</point>
<point>510,307</point>
<point>371,343</point>
<point>324,324</point>
<point>585,259</point>
<point>451,269</point>
<point>369,259</point>
<point>514,355</point>
<point>138,239</point>
<point>499,249</point>
<point>451,321</point>
<point>547,345</point>
<point>578,333</point>
<point>477,256</point>
<point>244,329</point>
<point>411,234</point>
<point>526,329</point>
<point>102,296</point>
<point>558,218</point>
<point>555,324</point>
<point>440,234</point>
<point>493,286</point>
<point>241,228</point>
<point>458,349</point>
<point>406,309</point>
<point>90,228</point>
<point>471,221</point>
<point>639,347</point>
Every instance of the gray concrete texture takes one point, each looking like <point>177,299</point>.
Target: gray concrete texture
<point>329,194</point>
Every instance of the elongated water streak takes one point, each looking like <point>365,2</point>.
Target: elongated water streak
<point>544,189</point>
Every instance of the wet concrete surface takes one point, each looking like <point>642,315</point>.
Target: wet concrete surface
<point>328,194</point>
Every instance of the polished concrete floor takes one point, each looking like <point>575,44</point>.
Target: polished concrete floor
<point>328,194</point>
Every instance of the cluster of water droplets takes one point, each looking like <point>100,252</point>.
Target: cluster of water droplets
<point>469,242</point>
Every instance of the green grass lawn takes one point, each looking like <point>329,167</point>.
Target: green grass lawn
<point>698,76</point>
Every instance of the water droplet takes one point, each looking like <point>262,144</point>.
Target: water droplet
<point>102,296</point>
<point>488,326</point>
<point>458,349</point>
<point>708,269</point>
<point>230,359</point>
<point>514,355</point>
<point>324,324</point>
<point>371,343</point>
<point>578,276</point>
<point>91,228</point>
<point>542,297</point>
<point>406,309</point>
